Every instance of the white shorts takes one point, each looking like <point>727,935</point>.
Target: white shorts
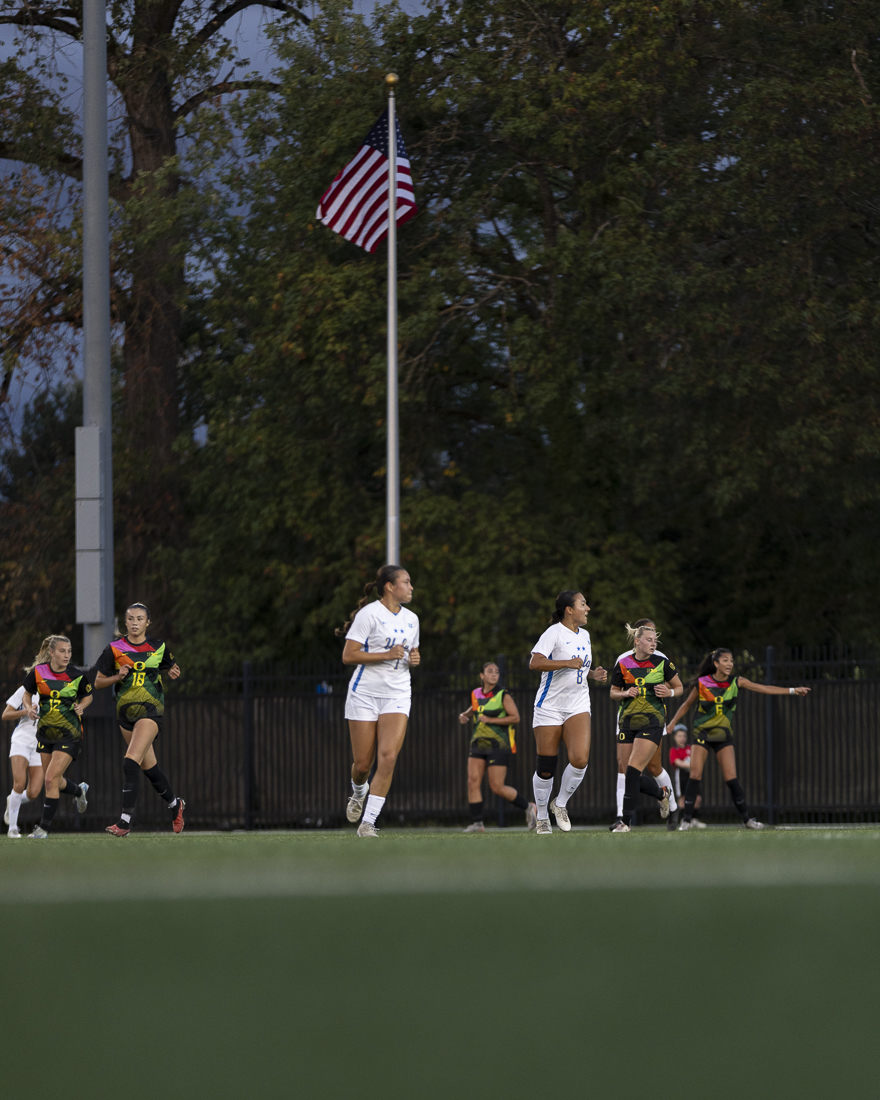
<point>24,745</point>
<point>367,708</point>
<point>547,716</point>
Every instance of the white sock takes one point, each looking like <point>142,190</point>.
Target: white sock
<point>360,789</point>
<point>15,801</point>
<point>621,783</point>
<point>571,779</point>
<point>126,818</point>
<point>374,808</point>
<point>543,789</point>
<point>171,805</point>
<point>664,781</point>
<point>24,798</point>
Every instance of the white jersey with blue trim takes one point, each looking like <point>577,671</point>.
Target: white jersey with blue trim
<point>378,629</point>
<point>565,688</point>
<point>27,727</point>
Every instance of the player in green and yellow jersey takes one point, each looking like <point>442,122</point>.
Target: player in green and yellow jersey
<point>641,683</point>
<point>133,665</point>
<point>493,715</point>
<point>63,692</point>
<point>715,692</point>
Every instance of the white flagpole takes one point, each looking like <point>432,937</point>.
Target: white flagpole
<point>392,463</point>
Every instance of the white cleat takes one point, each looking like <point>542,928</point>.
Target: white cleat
<point>38,834</point>
<point>697,824</point>
<point>475,827</point>
<point>6,814</point>
<point>664,803</point>
<point>685,826</point>
<point>531,815</point>
<point>14,833</point>
<point>753,823</point>
<point>620,827</point>
<point>561,815</point>
<point>366,829</point>
<point>543,826</point>
<point>82,801</point>
<point>355,807</point>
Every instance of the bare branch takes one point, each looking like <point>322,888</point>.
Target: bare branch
<point>223,88</point>
<point>26,18</point>
<point>861,78</point>
<point>230,11</point>
<point>65,162</point>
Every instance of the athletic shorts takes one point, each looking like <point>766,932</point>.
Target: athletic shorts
<point>72,748</point>
<point>23,744</point>
<point>367,708</point>
<point>128,716</point>
<point>649,733</point>
<point>715,745</point>
<point>495,758</point>
<point>547,716</point>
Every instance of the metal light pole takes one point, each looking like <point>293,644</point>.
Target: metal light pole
<point>392,464</point>
<point>94,452</point>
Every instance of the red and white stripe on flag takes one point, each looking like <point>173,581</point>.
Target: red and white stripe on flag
<point>355,205</point>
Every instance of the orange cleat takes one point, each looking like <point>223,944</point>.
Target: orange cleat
<point>177,823</point>
<point>120,829</point>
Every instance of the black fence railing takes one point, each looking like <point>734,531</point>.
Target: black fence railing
<point>268,748</point>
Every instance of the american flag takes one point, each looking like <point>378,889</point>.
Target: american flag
<point>355,205</point>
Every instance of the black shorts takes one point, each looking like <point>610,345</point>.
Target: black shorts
<point>649,733</point>
<point>715,745</point>
<point>127,722</point>
<point>495,758</point>
<point>72,748</point>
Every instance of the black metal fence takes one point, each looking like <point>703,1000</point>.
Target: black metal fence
<point>269,748</point>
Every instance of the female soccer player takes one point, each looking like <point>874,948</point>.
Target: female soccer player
<point>715,692</point>
<point>563,656</point>
<point>26,762</point>
<point>382,639</point>
<point>134,664</point>
<point>640,683</point>
<point>655,780</point>
<point>493,743</point>
<point>64,693</point>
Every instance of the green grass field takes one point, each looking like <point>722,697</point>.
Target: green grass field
<point>720,964</point>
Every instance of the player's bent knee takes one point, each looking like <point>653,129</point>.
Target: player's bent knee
<point>545,766</point>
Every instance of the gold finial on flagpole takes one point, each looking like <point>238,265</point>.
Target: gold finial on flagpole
<point>391,79</point>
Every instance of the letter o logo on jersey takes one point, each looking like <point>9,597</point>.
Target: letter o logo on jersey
<point>54,694</point>
<point>139,666</point>
<point>640,681</point>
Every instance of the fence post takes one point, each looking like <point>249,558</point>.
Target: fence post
<point>248,742</point>
<point>501,661</point>
<point>768,732</point>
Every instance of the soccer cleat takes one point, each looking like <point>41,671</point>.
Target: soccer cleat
<point>617,821</point>
<point>531,815</point>
<point>543,826</point>
<point>697,824</point>
<point>685,825</point>
<point>753,823</point>
<point>14,833</point>
<point>6,814</point>
<point>38,833</point>
<point>177,823</point>
<point>561,815</point>
<point>119,829</point>
<point>366,829</point>
<point>620,827</point>
<point>355,807</point>
<point>82,800</point>
<point>664,802</point>
<point>672,821</point>
<point>475,827</point>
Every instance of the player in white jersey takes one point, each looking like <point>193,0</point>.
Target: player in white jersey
<point>26,762</point>
<point>382,640</point>
<point>655,781</point>
<point>563,656</point>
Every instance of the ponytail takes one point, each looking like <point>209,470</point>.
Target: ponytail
<point>386,575</point>
<point>563,600</point>
<point>46,650</point>
<point>638,629</point>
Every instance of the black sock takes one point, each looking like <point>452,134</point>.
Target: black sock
<point>630,793</point>
<point>476,809</point>
<point>49,808</point>
<point>739,798</point>
<point>71,788</point>
<point>521,802</point>
<point>649,785</point>
<point>691,794</point>
<point>160,783</point>
<point>132,771</point>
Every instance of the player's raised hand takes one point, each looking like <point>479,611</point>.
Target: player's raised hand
<point>174,672</point>
<point>123,672</point>
<point>415,658</point>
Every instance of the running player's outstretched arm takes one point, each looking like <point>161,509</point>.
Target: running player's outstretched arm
<point>682,710</point>
<point>770,689</point>
<point>540,663</point>
<point>354,654</point>
<point>465,715</point>
<point>10,714</point>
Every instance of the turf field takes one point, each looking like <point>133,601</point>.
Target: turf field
<point>422,965</point>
